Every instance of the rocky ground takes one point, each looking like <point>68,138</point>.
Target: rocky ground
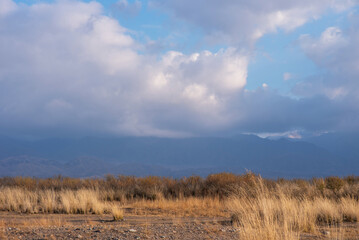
<point>52,226</point>
<point>102,227</point>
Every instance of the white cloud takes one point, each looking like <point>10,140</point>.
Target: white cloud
<point>337,53</point>
<point>6,7</point>
<point>67,68</point>
<point>289,134</point>
<point>77,69</point>
<point>245,21</point>
<point>325,46</point>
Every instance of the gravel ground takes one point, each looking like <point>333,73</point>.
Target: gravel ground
<point>56,226</point>
<point>92,227</point>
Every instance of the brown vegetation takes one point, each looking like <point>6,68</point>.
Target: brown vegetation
<point>262,208</point>
<point>280,211</point>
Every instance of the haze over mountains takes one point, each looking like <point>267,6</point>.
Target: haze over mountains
<point>330,154</point>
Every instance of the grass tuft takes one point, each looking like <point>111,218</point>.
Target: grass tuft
<point>117,213</point>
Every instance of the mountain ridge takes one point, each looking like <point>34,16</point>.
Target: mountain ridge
<point>91,156</point>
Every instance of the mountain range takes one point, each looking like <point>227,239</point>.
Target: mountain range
<point>328,154</point>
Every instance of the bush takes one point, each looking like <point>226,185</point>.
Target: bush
<point>117,213</point>
<point>334,183</point>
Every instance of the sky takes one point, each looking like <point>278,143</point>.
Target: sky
<point>178,68</point>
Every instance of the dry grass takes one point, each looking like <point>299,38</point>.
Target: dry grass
<point>85,201</point>
<point>349,208</point>
<point>81,201</point>
<point>181,207</point>
<point>49,201</point>
<point>117,213</point>
<point>44,222</point>
<point>263,209</point>
<point>268,213</point>
<point>2,229</point>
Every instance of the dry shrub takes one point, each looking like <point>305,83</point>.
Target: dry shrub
<point>334,183</point>
<point>222,185</point>
<point>264,209</point>
<point>117,213</point>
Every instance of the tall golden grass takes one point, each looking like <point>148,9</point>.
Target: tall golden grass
<point>50,201</point>
<point>191,206</point>
<point>261,208</point>
<point>271,213</point>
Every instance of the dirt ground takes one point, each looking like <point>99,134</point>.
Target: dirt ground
<point>58,226</point>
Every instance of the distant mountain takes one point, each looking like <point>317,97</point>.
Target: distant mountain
<point>168,157</point>
<point>344,146</point>
<point>82,167</point>
<point>28,166</point>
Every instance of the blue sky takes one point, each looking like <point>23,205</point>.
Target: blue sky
<point>275,55</point>
<point>178,68</point>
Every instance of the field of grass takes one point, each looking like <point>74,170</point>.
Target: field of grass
<point>260,208</point>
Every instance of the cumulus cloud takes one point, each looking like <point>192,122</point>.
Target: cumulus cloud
<point>67,68</point>
<point>67,65</point>
<point>337,53</point>
<point>324,49</point>
<point>245,21</point>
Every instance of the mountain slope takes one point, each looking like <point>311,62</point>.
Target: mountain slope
<point>175,157</point>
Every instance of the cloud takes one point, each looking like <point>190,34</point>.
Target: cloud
<point>323,49</point>
<point>245,21</point>
<point>123,6</point>
<point>265,111</point>
<point>337,53</point>
<point>67,67</point>
<point>6,7</point>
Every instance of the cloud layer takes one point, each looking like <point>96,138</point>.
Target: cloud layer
<point>244,21</point>
<point>68,65</point>
<point>337,53</point>
<point>66,68</point>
